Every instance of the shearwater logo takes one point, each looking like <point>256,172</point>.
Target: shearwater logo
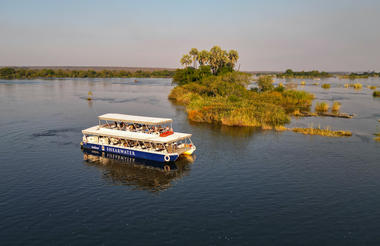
<point>120,151</point>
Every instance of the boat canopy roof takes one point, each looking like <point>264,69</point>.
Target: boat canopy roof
<point>135,119</point>
<point>137,136</point>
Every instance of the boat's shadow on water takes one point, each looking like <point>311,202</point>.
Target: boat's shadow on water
<point>138,173</point>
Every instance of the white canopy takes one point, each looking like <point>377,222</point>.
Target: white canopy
<point>137,136</point>
<point>135,119</point>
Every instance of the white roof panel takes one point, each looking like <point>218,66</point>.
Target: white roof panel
<point>95,130</point>
<point>135,119</point>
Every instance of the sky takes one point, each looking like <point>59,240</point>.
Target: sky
<point>271,35</point>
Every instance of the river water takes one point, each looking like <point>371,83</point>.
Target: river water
<point>243,187</point>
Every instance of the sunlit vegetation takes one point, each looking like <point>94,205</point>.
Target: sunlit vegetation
<point>89,97</point>
<point>326,86</point>
<point>303,74</point>
<point>25,73</point>
<point>371,87</point>
<point>356,86</point>
<point>215,93</point>
<point>315,83</point>
<point>303,82</point>
<point>322,107</point>
<point>376,94</point>
<point>326,132</point>
<point>364,75</point>
<point>377,136</point>
<point>335,107</point>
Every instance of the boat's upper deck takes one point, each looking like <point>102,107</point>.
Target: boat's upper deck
<point>138,136</point>
<point>135,119</point>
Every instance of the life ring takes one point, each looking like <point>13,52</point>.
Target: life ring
<point>167,168</point>
<point>167,158</point>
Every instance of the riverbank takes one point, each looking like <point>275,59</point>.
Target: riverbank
<point>83,72</point>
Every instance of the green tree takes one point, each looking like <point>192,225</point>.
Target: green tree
<point>233,57</point>
<point>186,60</point>
<point>203,57</point>
<point>194,55</point>
<point>218,58</point>
<point>265,83</point>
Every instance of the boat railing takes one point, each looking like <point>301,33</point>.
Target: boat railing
<point>162,132</point>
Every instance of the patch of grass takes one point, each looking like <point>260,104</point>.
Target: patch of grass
<point>356,86</point>
<point>327,132</point>
<point>371,87</point>
<point>346,85</point>
<point>315,83</point>
<point>335,107</point>
<point>322,107</point>
<point>303,82</point>
<point>326,86</point>
<point>377,138</point>
<point>376,94</point>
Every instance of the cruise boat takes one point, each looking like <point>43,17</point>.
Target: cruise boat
<point>139,137</point>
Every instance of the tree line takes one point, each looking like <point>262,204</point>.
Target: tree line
<point>289,73</point>
<point>25,73</point>
<point>216,58</point>
<point>205,63</point>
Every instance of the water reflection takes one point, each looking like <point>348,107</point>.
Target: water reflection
<point>141,174</point>
<point>240,132</point>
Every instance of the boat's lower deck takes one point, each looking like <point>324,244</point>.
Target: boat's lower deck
<point>136,153</point>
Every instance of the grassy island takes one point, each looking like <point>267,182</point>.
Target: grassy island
<point>216,93</point>
<point>322,132</point>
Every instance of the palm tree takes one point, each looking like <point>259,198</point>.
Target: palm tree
<point>186,60</point>
<point>233,56</point>
<point>194,54</point>
<point>203,57</point>
<point>218,58</point>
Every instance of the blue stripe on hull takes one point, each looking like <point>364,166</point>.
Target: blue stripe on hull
<point>131,153</point>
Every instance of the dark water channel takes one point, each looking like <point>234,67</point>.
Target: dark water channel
<point>243,187</point>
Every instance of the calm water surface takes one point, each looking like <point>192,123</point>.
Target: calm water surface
<point>244,187</point>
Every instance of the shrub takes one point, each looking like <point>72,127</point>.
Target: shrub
<point>376,94</point>
<point>303,83</point>
<point>265,83</point>
<point>326,86</point>
<point>357,86</point>
<point>322,107</point>
<point>336,107</point>
<point>372,87</point>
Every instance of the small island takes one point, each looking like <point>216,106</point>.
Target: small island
<point>214,92</point>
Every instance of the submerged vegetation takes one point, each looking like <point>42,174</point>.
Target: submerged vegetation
<point>215,93</point>
<point>26,73</point>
